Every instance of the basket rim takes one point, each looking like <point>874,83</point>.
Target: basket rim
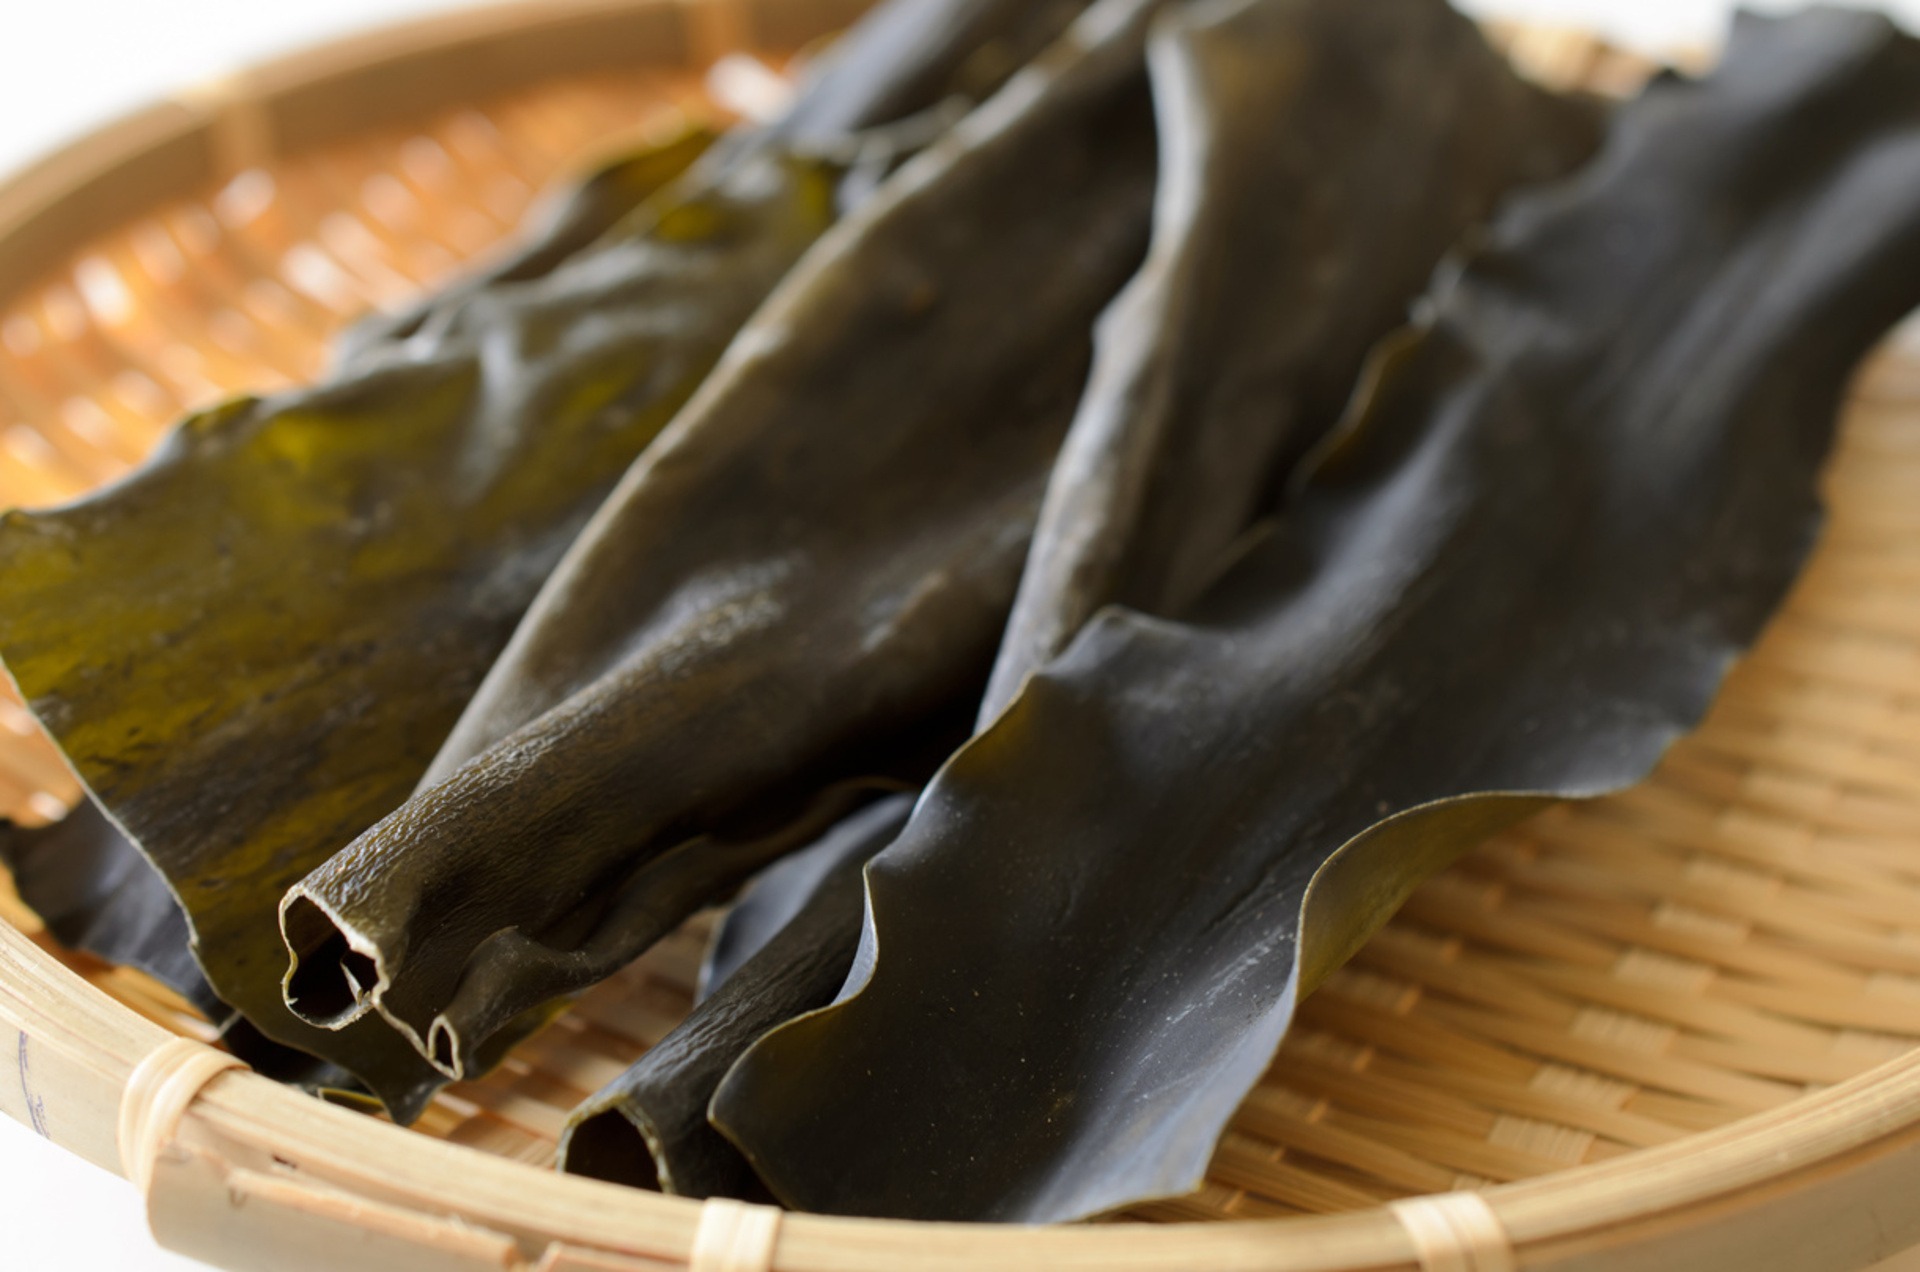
<point>200,137</point>
<point>1861,1134</point>
<point>1849,1134</point>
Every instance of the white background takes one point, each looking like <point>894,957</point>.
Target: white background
<point>66,65</point>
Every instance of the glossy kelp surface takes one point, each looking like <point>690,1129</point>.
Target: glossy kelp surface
<point>1317,160</point>
<point>817,557</point>
<point>252,649</point>
<point>1564,508</point>
<point>775,897</point>
<point>791,942</point>
<point>899,69</point>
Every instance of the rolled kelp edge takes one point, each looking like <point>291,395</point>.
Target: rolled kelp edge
<point>617,1145</point>
<point>333,973</point>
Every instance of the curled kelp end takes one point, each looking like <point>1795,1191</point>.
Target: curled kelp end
<point>330,979</point>
<point>790,954</point>
<point>802,585</point>
<point>338,974</point>
<point>1316,164</point>
<point>251,648</point>
<point>97,894</point>
<point>1562,514</point>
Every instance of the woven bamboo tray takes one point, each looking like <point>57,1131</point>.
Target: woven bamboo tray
<point>1674,1029</point>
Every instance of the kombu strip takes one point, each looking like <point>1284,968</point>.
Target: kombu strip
<point>252,648</point>
<point>1561,511</point>
<point>96,893</point>
<point>900,70</point>
<point>777,895</point>
<point>818,556</point>
<point>128,914</point>
<point>1317,161</point>
<point>1232,357</point>
<point>787,949</point>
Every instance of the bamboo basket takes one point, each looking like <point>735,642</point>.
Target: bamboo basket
<point>1673,1029</point>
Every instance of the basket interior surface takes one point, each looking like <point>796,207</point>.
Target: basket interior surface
<point>1740,930</point>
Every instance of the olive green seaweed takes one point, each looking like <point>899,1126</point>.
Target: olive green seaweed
<point>898,73</point>
<point>1561,510</point>
<point>814,560</point>
<point>252,649</point>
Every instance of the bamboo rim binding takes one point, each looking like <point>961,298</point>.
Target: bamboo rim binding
<point>1593,937</point>
<point>158,1094</point>
<point>1455,1232</point>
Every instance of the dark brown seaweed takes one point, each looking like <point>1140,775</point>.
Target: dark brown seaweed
<point>794,937</point>
<point>1304,201</point>
<point>904,60</point>
<point>775,898</point>
<point>96,893</point>
<point>99,895</point>
<point>252,649</point>
<point>1564,509</point>
<point>818,555</point>
<point>911,56</point>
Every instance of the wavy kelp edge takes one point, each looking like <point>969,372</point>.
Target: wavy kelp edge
<point>929,588</point>
<point>773,899</point>
<point>245,737</point>
<point>97,894</point>
<point>1425,833</point>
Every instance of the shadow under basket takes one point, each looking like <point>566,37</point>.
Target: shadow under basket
<point>1672,1029</point>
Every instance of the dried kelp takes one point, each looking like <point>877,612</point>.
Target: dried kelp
<point>775,898</point>
<point>912,56</point>
<point>1564,509</point>
<point>252,649</point>
<point>595,205</point>
<point>97,894</point>
<point>817,557</point>
<point>792,941</point>
<point>905,66</point>
<point>1305,198</point>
